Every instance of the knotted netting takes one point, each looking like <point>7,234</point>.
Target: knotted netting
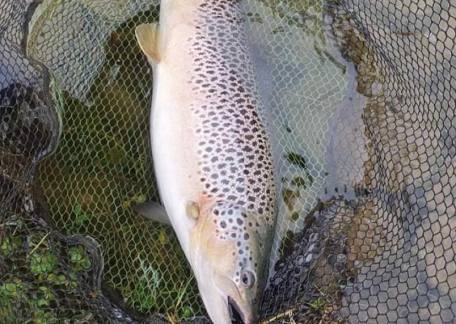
<point>360,112</point>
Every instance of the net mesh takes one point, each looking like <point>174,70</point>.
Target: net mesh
<point>360,115</point>
<point>44,276</point>
<point>103,156</point>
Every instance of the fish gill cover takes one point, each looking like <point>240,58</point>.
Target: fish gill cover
<point>361,113</point>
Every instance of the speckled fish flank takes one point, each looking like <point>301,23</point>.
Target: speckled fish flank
<point>211,152</point>
<point>233,149</point>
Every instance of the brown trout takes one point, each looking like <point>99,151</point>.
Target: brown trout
<point>211,153</point>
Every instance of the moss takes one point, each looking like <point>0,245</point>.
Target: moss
<point>286,245</point>
<point>58,279</point>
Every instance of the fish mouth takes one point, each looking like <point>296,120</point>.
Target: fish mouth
<point>237,315</point>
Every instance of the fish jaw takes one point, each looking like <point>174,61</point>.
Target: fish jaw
<point>215,301</point>
<point>216,263</point>
<point>220,306</point>
<point>221,296</point>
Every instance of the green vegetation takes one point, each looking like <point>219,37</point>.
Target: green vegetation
<point>145,289</point>
<point>40,272</point>
<point>12,294</point>
<point>295,186</point>
<point>80,217</point>
<point>297,160</point>
<point>318,305</point>
<point>300,182</point>
<point>79,259</point>
<point>44,317</point>
<point>42,263</point>
<point>11,290</point>
<point>10,244</point>
<point>101,168</point>
<point>304,14</point>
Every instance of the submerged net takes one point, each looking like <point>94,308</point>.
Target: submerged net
<point>360,112</point>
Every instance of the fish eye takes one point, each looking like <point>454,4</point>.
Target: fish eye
<point>247,278</point>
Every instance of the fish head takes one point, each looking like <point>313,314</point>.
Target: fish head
<point>229,262</point>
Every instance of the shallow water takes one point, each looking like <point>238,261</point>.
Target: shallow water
<point>313,113</point>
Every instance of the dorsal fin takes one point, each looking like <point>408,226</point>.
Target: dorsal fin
<point>147,37</point>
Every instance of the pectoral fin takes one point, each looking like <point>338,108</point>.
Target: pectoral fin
<point>153,211</point>
<point>147,37</point>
